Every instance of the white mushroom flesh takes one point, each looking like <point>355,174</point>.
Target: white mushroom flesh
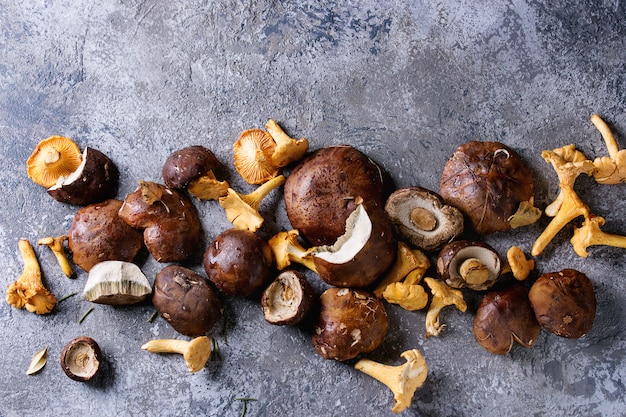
<point>358,232</point>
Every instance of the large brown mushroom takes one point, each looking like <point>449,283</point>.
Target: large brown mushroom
<point>491,185</point>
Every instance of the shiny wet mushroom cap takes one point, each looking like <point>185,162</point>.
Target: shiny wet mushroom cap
<point>188,164</point>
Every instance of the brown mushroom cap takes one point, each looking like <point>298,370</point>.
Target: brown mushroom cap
<point>81,358</point>
<point>238,262</point>
<point>186,300</point>
<point>469,264</point>
<point>564,303</point>
<point>98,234</point>
<point>54,157</point>
<point>95,180</point>
<point>351,322</point>
<point>253,156</point>
<point>487,181</point>
<point>321,190</point>
<point>188,164</point>
<point>288,299</point>
<point>421,218</point>
<point>504,317</point>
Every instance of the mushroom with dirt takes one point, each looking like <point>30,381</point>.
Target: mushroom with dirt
<point>288,299</point>
<point>402,380</point>
<point>28,290</point>
<point>421,218</point>
<point>443,296</point>
<point>99,234</point>
<point>52,158</point>
<point>504,317</point>
<point>196,352</point>
<point>186,300</point>
<point>171,227</point>
<point>469,264</point>
<point>491,184</point>
<point>350,322</point>
<point>81,359</point>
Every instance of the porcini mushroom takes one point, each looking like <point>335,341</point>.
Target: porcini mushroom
<point>54,157</point>
<point>253,156</point>
<point>81,359</point>
<point>28,291</point>
<point>116,283</point>
<point>402,380</point>
<point>421,218</point>
<point>56,245</point>
<point>287,150</point>
<point>610,169</point>
<point>443,296</point>
<point>407,261</point>
<point>242,210</point>
<point>195,352</point>
<point>469,264</point>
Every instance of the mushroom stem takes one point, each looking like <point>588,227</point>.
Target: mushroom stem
<point>56,245</point>
<point>590,234</point>
<point>195,352</point>
<point>402,380</point>
<point>474,271</point>
<point>607,135</point>
<point>443,296</point>
<point>254,198</point>
<point>52,156</point>
<point>423,219</point>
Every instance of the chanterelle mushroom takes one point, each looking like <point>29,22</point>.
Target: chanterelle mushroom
<point>54,157</point>
<point>253,156</point>
<point>195,352</point>
<point>590,234</point>
<point>442,296</point>
<point>609,169</point>
<point>409,261</point>
<point>287,149</point>
<point>56,245</point>
<point>421,218</point>
<point>518,264</point>
<point>402,380</point>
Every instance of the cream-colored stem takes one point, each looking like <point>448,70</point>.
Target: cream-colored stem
<point>166,346</point>
<point>32,271</point>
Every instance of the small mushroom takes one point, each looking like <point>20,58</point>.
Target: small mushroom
<point>564,303</point>
<point>442,296</point>
<point>351,322</point>
<point>409,296</point>
<point>56,246</point>
<point>186,300</point>
<point>95,180</point>
<point>54,157</point>
<point>287,150</point>
<point>238,262</point>
<point>518,264</point>
<point>469,264</point>
<point>504,317</point>
<point>288,299</point>
<point>610,169</point>
<point>98,234</point>
<point>590,234</point>
<point>253,156</point>
<point>407,260</point>
<point>402,380</point>
<point>195,352</point>
<point>422,218</point>
<point>81,359</point>
<point>116,283</point>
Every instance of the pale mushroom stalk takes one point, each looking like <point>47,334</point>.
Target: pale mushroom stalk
<point>590,234</point>
<point>572,205</point>
<point>611,169</point>
<point>196,352</point>
<point>56,245</point>
<point>443,296</point>
<point>28,291</point>
<point>402,380</point>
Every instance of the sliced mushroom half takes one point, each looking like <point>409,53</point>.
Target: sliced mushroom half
<point>469,264</point>
<point>421,218</point>
<point>81,358</point>
<point>287,299</point>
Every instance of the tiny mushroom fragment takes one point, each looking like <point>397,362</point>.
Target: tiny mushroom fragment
<point>402,380</point>
<point>407,260</point>
<point>288,299</point>
<point>54,157</point>
<point>443,296</point>
<point>253,156</point>
<point>196,352</point>
<point>243,210</point>
<point>421,218</point>
<point>469,264</point>
<point>610,169</point>
<point>28,291</point>
<point>56,245</point>
<point>116,283</point>
<point>81,359</point>
<point>287,149</point>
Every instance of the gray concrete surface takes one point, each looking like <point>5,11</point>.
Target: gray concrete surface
<point>406,83</point>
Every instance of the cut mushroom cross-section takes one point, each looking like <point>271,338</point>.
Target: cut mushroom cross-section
<point>469,264</point>
<point>81,358</point>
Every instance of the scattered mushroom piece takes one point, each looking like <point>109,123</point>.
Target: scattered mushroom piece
<point>287,249</point>
<point>443,296</point>
<point>253,156</point>
<point>28,291</point>
<point>54,157</point>
<point>407,261</point>
<point>243,210</point>
<point>422,218</point>
<point>196,352</point>
<point>288,299</point>
<point>410,297</point>
<point>609,169</point>
<point>518,264</point>
<point>56,245</point>
<point>469,264</point>
<point>402,380</point>
<point>590,234</point>
<point>81,359</point>
<point>116,283</point>
<point>288,149</point>
<point>572,206</point>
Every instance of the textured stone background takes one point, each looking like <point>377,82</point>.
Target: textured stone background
<point>406,83</point>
